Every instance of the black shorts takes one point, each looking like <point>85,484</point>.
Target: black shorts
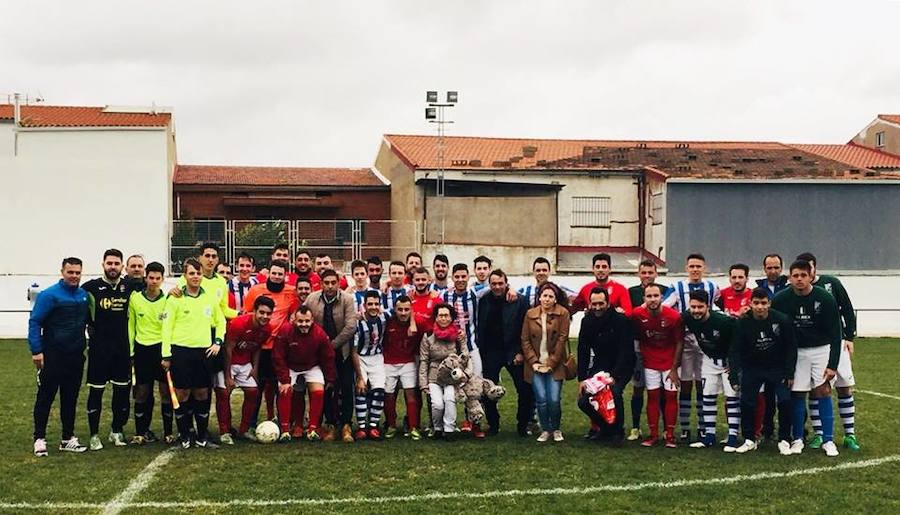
<point>266,370</point>
<point>108,364</point>
<point>147,367</point>
<point>189,369</point>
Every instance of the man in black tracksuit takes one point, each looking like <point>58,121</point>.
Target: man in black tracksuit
<point>607,335</point>
<point>499,327</point>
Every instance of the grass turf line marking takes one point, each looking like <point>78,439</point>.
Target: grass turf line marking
<point>879,394</point>
<point>138,484</point>
<point>853,465</point>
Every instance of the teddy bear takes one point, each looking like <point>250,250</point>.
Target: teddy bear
<point>470,389</point>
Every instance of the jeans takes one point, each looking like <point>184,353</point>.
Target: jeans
<point>547,400</point>
<point>492,367</point>
<point>443,407</point>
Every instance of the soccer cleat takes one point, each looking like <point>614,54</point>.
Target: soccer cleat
<point>830,449</point>
<point>747,446</point>
<point>670,442</point>
<point>170,439</point>
<point>347,434</point>
<point>851,443</point>
<point>185,443</point>
<point>95,443</point>
<point>285,437</point>
<point>415,434</point>
<point>784,447</point>
<point>543,437</point>
<point>359,435</point>
<point>466,427</point>
<point>816,442</point>
<point>374,434</point>
<point>634,434</point>
<point>150,437</point>
<point>71,445</point>
<point>478,433</point>
<point>705,442</point>
<point>251,436</point>
<point>329,432</point>
<point>650,442</point>
<point>313,436</point>
<point>390,433</point>
<point>797,446</point>
<point>138,440</point>
<point>205,444</point>
<point>297,431</point>
<point>40,447</point>
<point>117,439</point>
<point>685,436</point>
<point>558,436</point>
<point>226,439</point>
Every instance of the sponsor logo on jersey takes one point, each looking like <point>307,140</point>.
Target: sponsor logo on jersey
<point>776,329</point>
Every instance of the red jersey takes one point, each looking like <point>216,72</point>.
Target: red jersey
<point>301,352</point>
<point>618,296</point>
<point>658,335</point>
<point>732,302</point>
<point>423,310</point>
<point>246,338</point>
<point>290,278</point>
<point>399,346</point>
<point>316,282</point>
<point>286,303</point>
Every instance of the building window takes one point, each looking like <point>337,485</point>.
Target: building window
<point>879,139</point>
<point>590,212</point>
<point>656,208</point>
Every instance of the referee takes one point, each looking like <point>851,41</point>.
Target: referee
<point>56,338</point>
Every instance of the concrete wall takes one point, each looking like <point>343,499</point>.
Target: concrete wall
<point>622,192</point>
<point>849,225</point>
<point>406,199</point>
<point>512,259</point>
<point>510,221</point>
<point>655,236</point>
<point>866,137</point>
<point>79,191</point>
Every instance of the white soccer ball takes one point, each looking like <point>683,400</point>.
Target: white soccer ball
<point>267,432</point>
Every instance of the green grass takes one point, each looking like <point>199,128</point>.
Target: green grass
<point>506,462</point>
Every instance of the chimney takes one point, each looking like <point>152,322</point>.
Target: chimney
<point>17,110</point>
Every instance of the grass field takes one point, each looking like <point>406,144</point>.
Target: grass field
<point>501,474</point>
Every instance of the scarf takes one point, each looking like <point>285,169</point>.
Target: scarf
<point>449,333</point>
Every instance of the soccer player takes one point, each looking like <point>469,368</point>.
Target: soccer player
<point>413,262</point>
<point>774,281</point>
<point>618,295</point>
<point>323,262</point>
<point>145,320</point>
<point>735,299</point>
<point>282,252</point>
<point>243,339</point>
<point>692,359</point>
<point>304,288</point>
<point>224,270</point>
<point>845,380</point>
<point>763,352</point>
<point>540,268</point>
<point>303,265</point>
<point>647,273</point>
<point>189,321</point>
<point>441,267</point>
<point>660,334</point>
<point>482,269</point>
<point>211,282</point>
<point>109,355</point>
<point>713,332</point>
<point>56,340</point>
<point>304,362</point>
<point>424,300</point>
<point>285,303</point>
<point>360,275</point>
<point>134,271</point>
<point>401,348</point>
<point>395,287</point>
<point>376,270</point>
<point>817,322</point>
<point>464,301</point>
<point>245,279</point>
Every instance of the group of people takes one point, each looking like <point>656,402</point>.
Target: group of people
<point>291,334</point>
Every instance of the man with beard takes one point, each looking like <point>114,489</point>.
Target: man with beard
<point>376,271</point>
<point>441,267</point>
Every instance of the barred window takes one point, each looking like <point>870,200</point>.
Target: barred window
<point>656,208</point>
<point>590,211</point>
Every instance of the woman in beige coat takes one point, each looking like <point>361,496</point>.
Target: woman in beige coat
<point>437,345</point>
<point>545,334</point>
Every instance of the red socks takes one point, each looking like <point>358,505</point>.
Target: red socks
<point>223,410</point>
<point>248,409</point>
<point>316,404</point>
<point>412,409</point>
<point>390,410</point>
<point>284,411</point>
<point>653,412</point>
<point>671,413</point>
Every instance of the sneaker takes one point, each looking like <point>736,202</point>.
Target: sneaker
<point>466,427</point>
<point>347,434</point>
<point>634,434</point>
<point>312,435</point>
<point>670,442</point>
<point>532,428</point>
<point>851,443</point>
<point>558,436</point>
<point>150,437</point>
<point>250,436</point>
<point>698,445</point>
<point>40,447</point>
<point>703,443</point>
<point>117,439</point>
<point>170,439</point>
<point>747,446</point>
<point>478,433</point>
<point>830,449</point>
<point>285,437</point>
<point>390,433</point>
<point>360,435</point>
<point>784,447</point>
<point>138,440</point>
<point>589,435</point>
<point>205,444</point>
<point>226,439</point>
<point>185,443</point>
<point>374,434</point>
<point>543,437</point>
<point>797,446</point>
<point>650,442</point>
<point>415,434</point>
<point>95,443</point>
<point>816,442</point>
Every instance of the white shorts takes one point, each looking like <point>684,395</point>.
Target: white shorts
<point>241,375</point>
<point>372,370</point>
<point>637,379</point>
<point>475,358</point>
<point>810,371</point>
<point>655,379</point>
<point>691,360</point>
<point>715,378</point>
<point>405,373</point>
<point>313,375</point>
<point>845,377</point>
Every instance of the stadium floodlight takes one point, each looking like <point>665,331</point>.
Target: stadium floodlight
<point>431,97</point>
<point>435,113</point>
<point>452,97</point>
<point>431,113</point>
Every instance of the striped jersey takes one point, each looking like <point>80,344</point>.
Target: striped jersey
<point>145,319</point>
<point>678,296</point>
<point>239,290</point>
<point>466,306</point>
<point>531,296</point>
<point>359,296</point>
<point>369,337</point>
<point>389,297</point>
<point>438,288</point>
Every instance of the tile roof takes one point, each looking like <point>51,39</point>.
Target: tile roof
<point>854,155</point>
<point>76,116</point>
<point>893,118</point>
<point>701,159</point>
<point>276,176</point>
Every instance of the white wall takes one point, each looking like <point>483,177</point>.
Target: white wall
<point>78,192</point>
<point>623,208</point>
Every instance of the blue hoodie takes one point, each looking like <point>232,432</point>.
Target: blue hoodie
<point>780,284</point>
<point>58,319</point>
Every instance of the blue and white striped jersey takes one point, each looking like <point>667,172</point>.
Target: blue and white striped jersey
<point>438,289</point>
<point>678,296</point>
<point>530,293</point>
<point>240,290</point>
<point>389,298</point>
<point>359,296</point>
<point>369,337</point>
<point>466,306</point>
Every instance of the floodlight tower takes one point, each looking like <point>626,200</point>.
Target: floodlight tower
<point>435,113</point>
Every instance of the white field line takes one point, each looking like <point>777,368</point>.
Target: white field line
<point>879,394</point>
<point>138,484</point>
<point>853,465</point>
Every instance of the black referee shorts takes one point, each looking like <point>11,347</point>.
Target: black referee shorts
<point>147,367</point>
<point>189,368</point>
<point>108,363</point>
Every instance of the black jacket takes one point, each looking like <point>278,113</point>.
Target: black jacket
<point>513,316</point>
<point>611,339</point>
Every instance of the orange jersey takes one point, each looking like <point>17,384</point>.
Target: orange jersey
<point>286,303</point>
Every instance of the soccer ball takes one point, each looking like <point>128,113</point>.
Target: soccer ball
<point>267,432</point>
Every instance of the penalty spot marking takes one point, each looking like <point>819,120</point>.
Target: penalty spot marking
<point>879,394</point>
<point>122,503</point>
<point>138,484</point>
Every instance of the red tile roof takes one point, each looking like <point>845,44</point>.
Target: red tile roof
<point>276,176</point>
<point>893,118</point>
<point>74,116</point>
<point>854,155</point>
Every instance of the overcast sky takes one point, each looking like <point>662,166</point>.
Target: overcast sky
<point>317,83</point>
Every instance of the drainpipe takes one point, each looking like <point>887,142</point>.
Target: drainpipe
<point>642,211</point>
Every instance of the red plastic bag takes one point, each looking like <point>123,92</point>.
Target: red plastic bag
<point>605,404</point>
